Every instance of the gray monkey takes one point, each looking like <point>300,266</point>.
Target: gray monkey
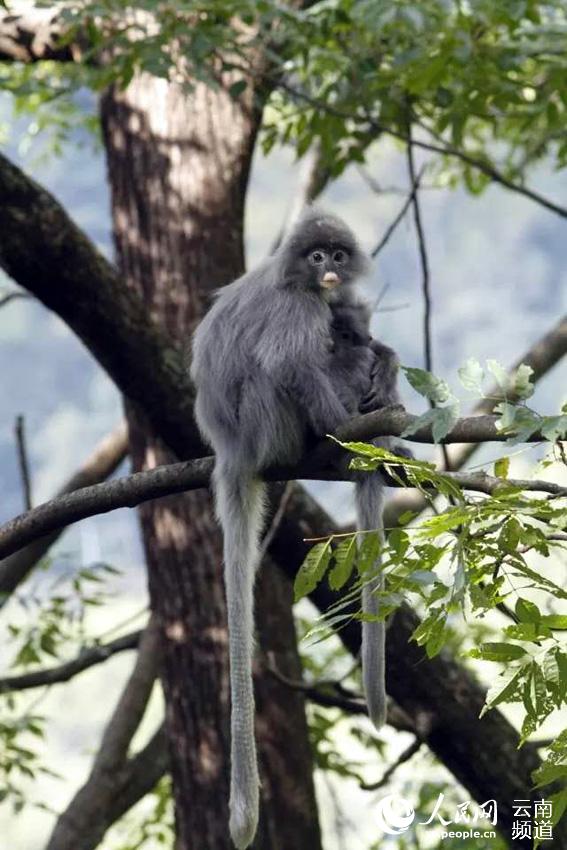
<point>270,369</point>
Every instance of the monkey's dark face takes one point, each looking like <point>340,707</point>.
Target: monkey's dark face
<point>321,255</point>
<point>323,267</point>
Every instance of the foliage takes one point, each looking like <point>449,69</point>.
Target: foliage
<point>485,77</point>
<point>472,557</point>
<point>47,622</point>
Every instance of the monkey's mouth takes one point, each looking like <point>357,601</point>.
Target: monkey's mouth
<point>330,280</point>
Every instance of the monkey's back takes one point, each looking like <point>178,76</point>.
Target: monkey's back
<point>242,407</point>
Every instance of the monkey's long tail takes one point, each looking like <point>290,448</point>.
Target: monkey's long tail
<point>240,509</point>
<point>370,506</point>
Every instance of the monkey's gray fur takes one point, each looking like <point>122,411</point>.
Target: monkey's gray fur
<point>284,352</point>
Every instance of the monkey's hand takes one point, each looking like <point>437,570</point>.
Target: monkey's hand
<point>383,379</point>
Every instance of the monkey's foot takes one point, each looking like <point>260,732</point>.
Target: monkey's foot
<point>243,819</point>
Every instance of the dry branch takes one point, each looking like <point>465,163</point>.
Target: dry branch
<point>79,827</point>
<point>99,465</point>
<point>64,672</point>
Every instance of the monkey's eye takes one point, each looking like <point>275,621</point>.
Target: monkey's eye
<point>340,257</point>
<point>317,257</point>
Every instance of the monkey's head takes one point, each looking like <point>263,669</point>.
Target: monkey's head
<point>321,254</point>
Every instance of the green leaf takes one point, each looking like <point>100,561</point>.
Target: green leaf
<point>344,556</point>
<point>521,384</point>
<point>527,612</point>
<point>502,467</point>
<point>440,419</point>
<point>472,376</point>
<point>510,535</point>
<point>499,373</point>
<point>369,552</point>
<point>549,773</point>
<point>555,621</point>
<point>436,638</point>
<point>504,690</point>
<point>428,385</point>
<point>236,89</point>
<point>554,427</point>
<point>498,652</point>
<point>312,569</point>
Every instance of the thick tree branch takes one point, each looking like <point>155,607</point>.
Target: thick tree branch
<point>100,464</point>
<point>64,672</point>
<point>321,464</point>
<point>46,253</point>
<point>79,827</point>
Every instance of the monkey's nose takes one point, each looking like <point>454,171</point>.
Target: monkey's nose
<point>330,280</point>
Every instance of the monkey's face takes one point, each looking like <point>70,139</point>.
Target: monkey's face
<point>324,268</point>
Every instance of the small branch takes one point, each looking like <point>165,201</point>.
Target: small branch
<point>425,276</point>
<point>64,672</point>
<point>312,180</point>
<point>444,149</point>
<point>132,704</point>
<point>74,828</point>
<point>98,466</point>
<point>167,480</point>
<point>400,216</point>
<point>13,296</point>
<point>20,433</point>
<point>406,755</point>
<point>335,695</point>
<point>276,520</point>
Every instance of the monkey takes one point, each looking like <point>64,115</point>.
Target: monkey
<point>271,369</point>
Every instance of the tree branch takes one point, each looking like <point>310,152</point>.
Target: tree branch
<point>22,449</point>
<point>321,464</point>
<point>87,814</point>
<point>89,657</point>
<point>46,253</point>
<point>100,464</point>
<point>399,217</point>
<point>476,162</point>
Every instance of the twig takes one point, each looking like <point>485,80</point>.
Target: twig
<point>445,150</point>
<point>98,466</point>
<point>20,432</point>
<point>64,672</point>
<point>312,180</point>
<point>276,520</point>
<point>400,216</point>
<point>425,273</point>
<point>13,296</point>
<point>406,755</point>
<point>97,793</point>
<point>333,694</point>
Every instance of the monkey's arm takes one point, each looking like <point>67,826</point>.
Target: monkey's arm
<point>312,390</point>
<point>384,374</point>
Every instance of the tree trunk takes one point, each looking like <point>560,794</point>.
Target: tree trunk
<point>178,170</point>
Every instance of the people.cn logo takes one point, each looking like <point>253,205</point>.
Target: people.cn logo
<point>395,815</point>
